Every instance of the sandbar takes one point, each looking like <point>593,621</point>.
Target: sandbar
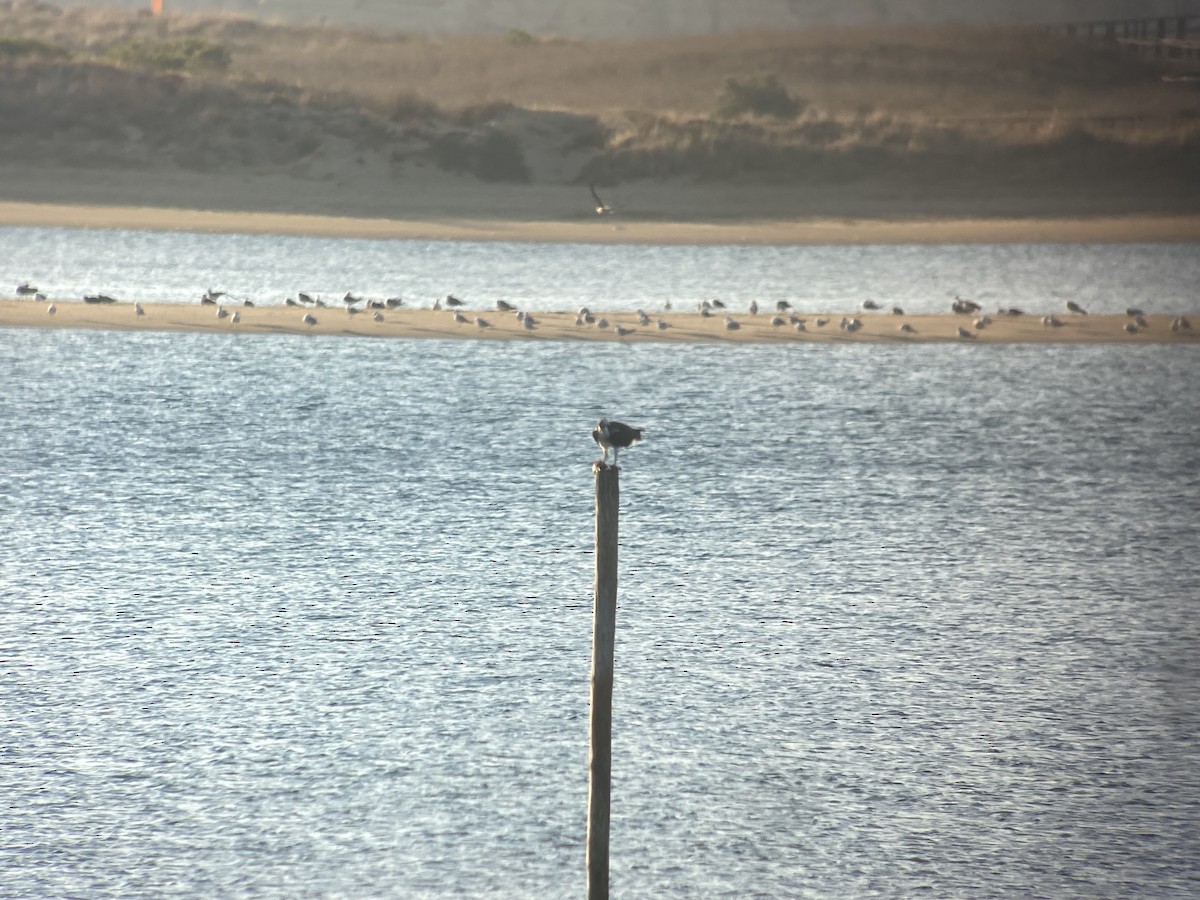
<point>680,327</point>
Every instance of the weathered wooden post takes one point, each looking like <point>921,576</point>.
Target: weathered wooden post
<point>604,626</point>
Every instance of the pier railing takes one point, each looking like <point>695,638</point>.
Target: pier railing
<point>1172,40</point>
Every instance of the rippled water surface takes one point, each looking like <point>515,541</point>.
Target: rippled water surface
<point>147,266</point>
<point>304,616</point>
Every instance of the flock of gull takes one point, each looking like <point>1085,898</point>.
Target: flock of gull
<point>784,315</point>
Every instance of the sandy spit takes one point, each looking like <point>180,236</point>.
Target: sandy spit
<point>557,326</point>
<point>615,230</point>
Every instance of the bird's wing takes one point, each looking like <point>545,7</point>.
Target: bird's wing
<point>596,197</point>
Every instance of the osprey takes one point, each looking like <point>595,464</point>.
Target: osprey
<point>615,436</point>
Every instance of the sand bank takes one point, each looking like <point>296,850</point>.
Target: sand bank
<point>680,327</point>
<point>429,225</point>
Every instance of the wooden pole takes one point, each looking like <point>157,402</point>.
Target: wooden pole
<point>604,626</point>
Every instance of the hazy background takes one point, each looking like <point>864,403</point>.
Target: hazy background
<point>638,18</point>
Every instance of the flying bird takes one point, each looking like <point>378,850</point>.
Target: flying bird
<point>602,208</point>
<point>615,436</point>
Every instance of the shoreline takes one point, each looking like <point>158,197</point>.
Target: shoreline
<point>560,326</point>
<point>616,229</point>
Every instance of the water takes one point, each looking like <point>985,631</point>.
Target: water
<point>148,266</point>
<point>304,616</point>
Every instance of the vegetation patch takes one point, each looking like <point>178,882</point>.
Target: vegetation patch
<point>762,95</point>
<point>15,47</point>
<point>185,55</point>
<point>493,155</point>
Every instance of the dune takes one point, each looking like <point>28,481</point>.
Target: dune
<point>680,327</point>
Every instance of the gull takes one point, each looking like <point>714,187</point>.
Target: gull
<point>504,306</point>
<point>235,318</point>
<point>853,325</point>
<point>51,309</point>
<point>730,324</point>
<point>349,299</point>
<point>782,306</point>
<point>717,304</point>
<point>870,304</point>
<point>753,308</point>
<point>642,318</point>
<point>799,325</point>
<point>378,316</point>
<point>1141,321</point>
<point>137,309</point>
<point>1132,311</point>
<point>621,332</point>
<point>453,301</point>
<point>393,302</point>
<point>247,302</point>
<point>963,333</point>
<point>905,328</point>
<point>982,322</point>
<point>777,321</point>
<point>304,298</point>
<point>1074,307</point>
<point>602,208</point>
<point>24,289</point>
<point>459,317</point>
<point>602,323</point>
<point>481,322</point>
<point>897,311</point>
<point>290,302</point>
<point>352,311</point>
<point>1131,327</point>
<point>309,319</point>
<point>221,312</point>
<point>821,323</point>
<point>528,321</point>
<point>662,326</point>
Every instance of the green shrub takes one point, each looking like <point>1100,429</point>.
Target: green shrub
<point>14,46</point>
<point>189,54</point>
<point>519,37</point>
<point>759,96</point>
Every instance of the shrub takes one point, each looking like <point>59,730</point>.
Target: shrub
<point>14,46</point>
<point>519,37</point>
<point>494,155</point>
<point>409,107</point>
<point>189,54</point>
<point>759,96</point>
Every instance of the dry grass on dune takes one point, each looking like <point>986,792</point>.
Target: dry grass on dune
<point>918,104</point>
<point>946,71</point>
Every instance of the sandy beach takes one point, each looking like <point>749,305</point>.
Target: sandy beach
<point>679,327</point>
<point>528,223</point>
